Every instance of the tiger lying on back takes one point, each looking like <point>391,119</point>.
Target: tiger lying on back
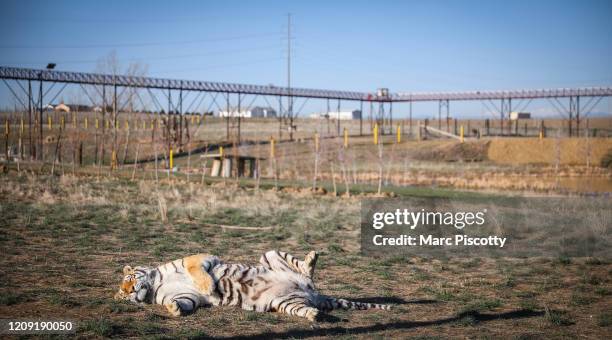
<point>281,283</point>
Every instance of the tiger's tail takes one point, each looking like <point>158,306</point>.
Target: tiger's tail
<point>330,303</point>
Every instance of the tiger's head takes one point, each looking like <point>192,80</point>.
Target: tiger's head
<point>135,284</point>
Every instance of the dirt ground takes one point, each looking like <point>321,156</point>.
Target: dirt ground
<point>569,151</point>
<point>65,239</point>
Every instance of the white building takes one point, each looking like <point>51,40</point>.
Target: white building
<point>519,115</point>
<point>255,112</point>
<point>341,115</point>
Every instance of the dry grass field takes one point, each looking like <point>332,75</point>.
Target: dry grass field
<point>66,236</point>
<point>65,239</point>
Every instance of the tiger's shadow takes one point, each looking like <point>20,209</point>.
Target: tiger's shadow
<point>386,300</point>
<point>396,325</point>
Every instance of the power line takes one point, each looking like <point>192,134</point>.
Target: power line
<point>92,61</point>
<point>191,69</point>
<point>134,44</point>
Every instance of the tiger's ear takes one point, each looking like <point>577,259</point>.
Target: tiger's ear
<point>128,270</point>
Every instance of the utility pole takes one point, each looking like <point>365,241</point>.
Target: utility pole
<point>289,98</point>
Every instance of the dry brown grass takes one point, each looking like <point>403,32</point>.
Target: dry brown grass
<point>518,151</point>
<point>65,241</point>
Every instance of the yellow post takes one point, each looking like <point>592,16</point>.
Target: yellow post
<point>49,122</point>
<point>399,133</point>
<point>198,119</point>
<point>114,160</point>
<point>316,142</point>
<point>271,147</point>
<point>144,124</point>
<point>97,123</point>
<point>345,138</point>
<point>461,131</point>
<point>171,159</point>
<point>74,120</point>
<point>127,124</point>
<point>86,123</point>
<point>221,152</point>
<point>376,134</point>
<point>541,134</point>
<point>63,123</point>
<point>107,124</point>
<point>192,119</point>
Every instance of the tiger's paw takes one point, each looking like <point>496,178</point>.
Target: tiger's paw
<point>310,262</point>
<point>312,314</point>
<point>174,308</point>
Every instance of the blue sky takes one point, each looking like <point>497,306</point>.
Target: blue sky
<point>348,45</point>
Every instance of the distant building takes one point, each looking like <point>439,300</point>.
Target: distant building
<point>520,115</point>
<point>255,112</point>
<point>61,107</point>
<point>341,115</point>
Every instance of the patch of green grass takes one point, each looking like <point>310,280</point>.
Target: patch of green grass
<point>466,321</point>
<point>591,279</point>
<point>564,260</point>
<point>120,307</point>
<point>471,263</point>
<point>100,327</point>
<point>9,299</point>
<point>482,305</point>
<point>604,319</point>
<point>529,304</point>
<point>525,294</point>
<point>439,294</point>
<point>335,248</point>
<point>602,291</point>
<point>62,299</point>
<point>558,318</point>
<point>594,261</point>
<point>146,328</point>
<point>581,299</point>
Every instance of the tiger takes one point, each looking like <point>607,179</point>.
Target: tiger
<point>279,283</point>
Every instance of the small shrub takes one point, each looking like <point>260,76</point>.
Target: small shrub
<point>558,318</point>
<point>606,160</point>
<point>100,327</point>
<point>564,260</point>
<point>604,319</point>
<point>10,299</point>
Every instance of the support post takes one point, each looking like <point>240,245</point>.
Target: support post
<point>180,116</point>
<point>32,153</point>
<point>578,116</point>
<point>338,119</point>
<point>361,118</point>
<point>410,117</point>
<point>227,118</point>
<point>40,120</point>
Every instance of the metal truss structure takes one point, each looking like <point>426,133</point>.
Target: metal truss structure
<point>171,84</point>
<point>498,95</point>
<point>192,85</point>
<point>384,116</point>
